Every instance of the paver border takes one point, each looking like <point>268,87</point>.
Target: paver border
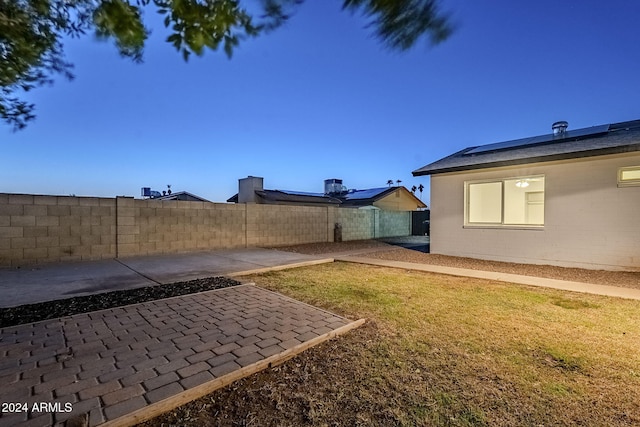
<point>152,410</point>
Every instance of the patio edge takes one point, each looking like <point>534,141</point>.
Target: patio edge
<point>158,408</point>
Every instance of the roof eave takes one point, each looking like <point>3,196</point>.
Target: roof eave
<point>537,159</point>
<point>279,196</point>
<point>358,202</point>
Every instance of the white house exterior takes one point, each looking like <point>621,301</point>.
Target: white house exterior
<point>570,199</point>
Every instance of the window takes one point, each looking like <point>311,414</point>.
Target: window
<point>629,176</point>
<point>485,203</point>
<point>515,201</point>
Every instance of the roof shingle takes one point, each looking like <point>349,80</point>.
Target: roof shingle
<point>619,138</point>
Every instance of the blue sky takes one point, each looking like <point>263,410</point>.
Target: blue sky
<point>320,98</point>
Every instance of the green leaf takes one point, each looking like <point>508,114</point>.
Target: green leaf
<point>174,37</point>
<point>228,48</point>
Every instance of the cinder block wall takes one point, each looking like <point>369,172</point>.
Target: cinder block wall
<point>279,225</point>
<point>394,223</point>
<point>35,229</point>
<point>357,224</point>
<point>38,229</point>
<point>148,227</point>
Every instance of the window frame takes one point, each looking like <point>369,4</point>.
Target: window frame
<point>501,224</point>
<point>467,203</point>
<point>628,182</point>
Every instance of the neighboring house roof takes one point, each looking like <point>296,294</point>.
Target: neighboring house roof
<point>352,198</point>
<point>594,141</point>
<point>358,198</point>
<point>291,197</point>
<point>296,197</point>
<point>369,194</point>
<point>181,195</point>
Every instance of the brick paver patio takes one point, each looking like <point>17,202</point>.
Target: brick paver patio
<point>110,363</point>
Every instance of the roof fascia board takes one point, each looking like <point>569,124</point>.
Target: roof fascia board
<point>538,159</point>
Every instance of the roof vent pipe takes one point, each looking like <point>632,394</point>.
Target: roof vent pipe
<point>559,128</point>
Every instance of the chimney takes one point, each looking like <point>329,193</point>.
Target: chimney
<point>559,128</point>
<point>247,188</point>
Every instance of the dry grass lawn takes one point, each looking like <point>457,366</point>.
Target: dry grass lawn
<point>440,350</point>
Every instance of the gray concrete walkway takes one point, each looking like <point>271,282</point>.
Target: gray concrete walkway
<point>613,291</point>
<point>65,280</point>
<point>124,365</point>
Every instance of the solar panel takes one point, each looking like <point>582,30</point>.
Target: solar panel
<point>364,194</point>
<point>542,139</point>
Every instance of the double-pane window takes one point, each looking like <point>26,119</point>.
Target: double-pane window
<point>514,201</point>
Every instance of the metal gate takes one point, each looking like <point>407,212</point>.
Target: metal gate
<point>420,223</point>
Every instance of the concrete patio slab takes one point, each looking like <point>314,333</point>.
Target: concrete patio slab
<point>58,281</point>
<point>168,269</point>
<point>125,365</point>
<point>178,267</point>
<point>65,280</point>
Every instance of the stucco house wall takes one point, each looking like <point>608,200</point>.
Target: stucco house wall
<point>589,221</point>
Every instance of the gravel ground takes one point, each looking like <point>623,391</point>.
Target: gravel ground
<point>67,307</point>
<point>380,250</point>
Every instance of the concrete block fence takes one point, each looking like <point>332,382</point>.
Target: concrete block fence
<point>38,229</point>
